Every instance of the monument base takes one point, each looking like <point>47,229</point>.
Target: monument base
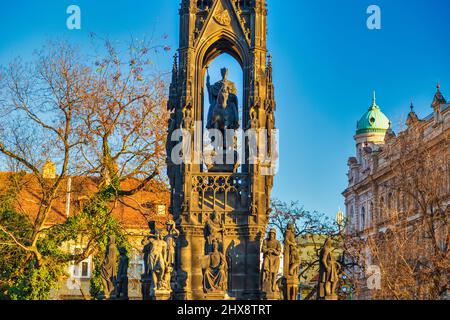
<point>103,296</point>
<point>291,290</point>
<point>215,296</point>
<point>228,164</point>
<point>148,293</point>
<point>161,295</point>
<point>146,288</point>
<point>273,296</point>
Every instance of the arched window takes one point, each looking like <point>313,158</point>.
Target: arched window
<point>382,208</point>
<point>352,221</point>
<point>363,218</point>
<point>371,216</point>
<point>390,203</point>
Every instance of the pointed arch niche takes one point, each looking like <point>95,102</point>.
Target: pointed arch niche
<point>235,74</point>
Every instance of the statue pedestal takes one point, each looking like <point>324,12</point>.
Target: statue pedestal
<point>148,293</point>
<point>292,284</point>
<point>230,157</point>
<point>273,296</point>
<point>122,289</point>
<point>146,288</point>
<point>215,296</point>
<point>161,295</point>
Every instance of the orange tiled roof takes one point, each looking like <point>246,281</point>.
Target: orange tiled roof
<point>133,212</point>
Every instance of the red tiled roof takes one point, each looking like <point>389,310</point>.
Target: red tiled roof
<point>133,212</point>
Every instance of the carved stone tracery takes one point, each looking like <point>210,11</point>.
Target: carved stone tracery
<point>208,29</point>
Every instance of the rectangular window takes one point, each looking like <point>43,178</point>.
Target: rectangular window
<point>85,269</point>
<point>75,270</point>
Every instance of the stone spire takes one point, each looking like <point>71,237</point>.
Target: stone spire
<point>412,116</point>
<point>270,86</point>
<point>173,89</point>
<point>340,219</point>
<point>438,99</point>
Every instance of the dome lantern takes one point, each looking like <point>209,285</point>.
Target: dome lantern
<point>373,121</point>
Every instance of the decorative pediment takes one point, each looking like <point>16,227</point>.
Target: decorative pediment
<point>222,16</point>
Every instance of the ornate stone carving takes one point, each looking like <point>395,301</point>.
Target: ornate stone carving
<point>223,111</point>
<point>122,275</point>
<point>109,268</point>
<point>215,271</point>
<point>206,188</point>
<point>155,261</point>
<point>188,120</point>
<point>329,270</point>
<point>271,250</point>
<point>210,28</point>
<point>159,262</point>
<point>214,232</point>
<point>170,238</point>
<point>253,123</point>
<point>291,263</point>
<point>223,18</point>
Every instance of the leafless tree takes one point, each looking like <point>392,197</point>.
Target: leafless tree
<point>409,239</point>
<point>37,123</point>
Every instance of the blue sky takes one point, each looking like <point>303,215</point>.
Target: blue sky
<point>326,64</point>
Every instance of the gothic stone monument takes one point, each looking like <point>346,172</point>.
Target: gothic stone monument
<point>221,214</point>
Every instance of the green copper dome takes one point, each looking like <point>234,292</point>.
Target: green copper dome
<point>373,120</point>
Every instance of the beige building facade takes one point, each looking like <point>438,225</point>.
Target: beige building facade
<point>374,181</point>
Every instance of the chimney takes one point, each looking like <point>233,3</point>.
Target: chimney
<point>69,191</point>
<point>49,170</point>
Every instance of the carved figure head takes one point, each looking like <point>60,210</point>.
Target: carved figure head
<point>215,245</point>
<point>112,240</point>
<point>224,72</point>
<point>170,225</point>
<point>272,234</point>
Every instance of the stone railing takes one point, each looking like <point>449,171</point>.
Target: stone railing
<point>219,192</point>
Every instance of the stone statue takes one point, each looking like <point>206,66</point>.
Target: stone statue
<point>223,111</point>
<point>165,283</point>
<point>146,251</point>
<point>109,271</point>
<point>188,120</point>
<point>170,239</point>
<point>291,263</point>
<point>271,250</point>
<point>214,231</point>
<point>253,122</point>
<point>289,246</point>
<point>122,275</point>
<point>215,271</point>
<point>157,261</point>
<point>329,270</point>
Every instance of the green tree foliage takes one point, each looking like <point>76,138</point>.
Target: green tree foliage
<point>21,278</point>
<point>91,117</point>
